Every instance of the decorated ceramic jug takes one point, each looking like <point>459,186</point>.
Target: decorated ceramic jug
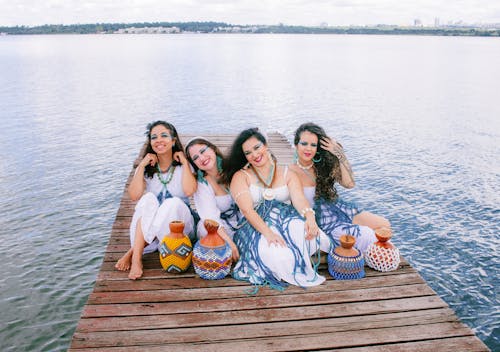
<point>346,262</point>
<point>211,254</point>
<point>175,249</point>
<point>382,255</point>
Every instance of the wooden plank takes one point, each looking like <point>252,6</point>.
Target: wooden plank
<point>453,344</point>
<point>259,315</point>
<point>320,341</point>
<point>157,273</point>
<point>191,293</point>
<point>253,302</point>
<point>259,330</point>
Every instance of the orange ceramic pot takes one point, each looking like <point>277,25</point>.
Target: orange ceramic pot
<point>176,249</point>
<point>382,255</point>
<point>212,256</point>
<point>346,262</point>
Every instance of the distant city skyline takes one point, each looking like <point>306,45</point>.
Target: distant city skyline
<point>242,12</point>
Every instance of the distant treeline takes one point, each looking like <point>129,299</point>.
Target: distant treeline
<point>204,27</point>
<point>214,27</point>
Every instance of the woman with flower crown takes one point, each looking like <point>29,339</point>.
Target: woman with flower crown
<point>279,233</point>
<point>166,176</point>
<point>320,163</point>
<point>212,198</point>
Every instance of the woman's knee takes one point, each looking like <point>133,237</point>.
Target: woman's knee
<point>173,203</point>
<point>148,200</point>
<point>371,220</point>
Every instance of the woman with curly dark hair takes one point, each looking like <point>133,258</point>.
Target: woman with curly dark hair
<point>280,233</point>
<point>166,176</point>
<point>321,162</point>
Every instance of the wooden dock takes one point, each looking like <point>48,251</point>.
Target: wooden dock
<point>395,311</point>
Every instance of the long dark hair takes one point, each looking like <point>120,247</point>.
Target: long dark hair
<point>201,140</point>
<point>177,147</point>
<point>236,158</point>
<point>327,169</point>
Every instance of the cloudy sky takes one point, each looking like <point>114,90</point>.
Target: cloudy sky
<point>291,12</point>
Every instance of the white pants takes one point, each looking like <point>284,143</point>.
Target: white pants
<point>366,238</point>
<point>281,260</point>
<point>155,219</point>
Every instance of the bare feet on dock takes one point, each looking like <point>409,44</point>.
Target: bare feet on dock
<point>136,270</point>
<point>123,264</point>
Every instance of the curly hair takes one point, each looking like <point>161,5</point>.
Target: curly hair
<point>177,147</point>
<point>236,158</point>
<point>327,169</point>
<point>201,140</point>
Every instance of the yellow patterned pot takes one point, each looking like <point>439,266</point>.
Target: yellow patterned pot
<point>176,249</point>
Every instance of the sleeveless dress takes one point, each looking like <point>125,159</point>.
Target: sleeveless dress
<point>277,266</point>
<point>221,208</point>
<point>158,207</point>
<point>335,219</point>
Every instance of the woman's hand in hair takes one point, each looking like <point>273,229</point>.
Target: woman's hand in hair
<point>149,159</point>
<point>180,157</point>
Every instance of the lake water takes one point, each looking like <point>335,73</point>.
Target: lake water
<point>418,116</point>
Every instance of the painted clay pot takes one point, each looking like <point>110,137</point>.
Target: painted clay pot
<point>212,255</point>
<point>382,255</point>
<point>346,262</point>
<point>175,249</point>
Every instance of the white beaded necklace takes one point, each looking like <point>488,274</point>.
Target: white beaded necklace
<point>304,167</point>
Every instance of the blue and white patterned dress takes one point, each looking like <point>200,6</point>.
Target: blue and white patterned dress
<point>275,265</point>
<point>158,207</point>
<point>335,219</point>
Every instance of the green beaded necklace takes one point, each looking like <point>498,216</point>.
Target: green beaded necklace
<point>169,173</point>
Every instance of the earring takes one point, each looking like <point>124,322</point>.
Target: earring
<point>318,159</point>
<point>295,156</point>
<point>219,164</point>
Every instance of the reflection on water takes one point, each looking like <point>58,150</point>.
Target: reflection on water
<point>417,115</point>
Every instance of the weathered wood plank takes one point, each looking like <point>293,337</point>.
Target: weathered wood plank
<point>324,340</point>
<point>252,302</point>
<point>192,293</point>
<point>259,315</point>
<point>453,344</point>
<point>260,330</point>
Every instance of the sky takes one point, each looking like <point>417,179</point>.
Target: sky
<point>241,12</point>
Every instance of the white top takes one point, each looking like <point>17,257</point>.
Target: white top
<point>208,205</point>
<point>309,192</point>
<point>155,186</point>
<point>281,193</point>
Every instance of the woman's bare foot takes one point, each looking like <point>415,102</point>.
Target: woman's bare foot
<point>123,264</point>
<point>136,270</point>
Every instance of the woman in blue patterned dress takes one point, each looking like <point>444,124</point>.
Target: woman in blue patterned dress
<point>166,176</point>
<point>321,162</point>
<point>279,233</point>
<point>212,198</point>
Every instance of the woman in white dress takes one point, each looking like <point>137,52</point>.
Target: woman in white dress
<point>321,162</point>
<point>212,198</point>
<point>280,233</point>
<point>166,176</point>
